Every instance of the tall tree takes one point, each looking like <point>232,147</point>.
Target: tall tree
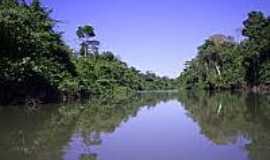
<point>88,45</point>
<point>257,46</point>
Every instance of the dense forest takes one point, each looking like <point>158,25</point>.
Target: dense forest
<point>37,65</point>
<point>224,63</point>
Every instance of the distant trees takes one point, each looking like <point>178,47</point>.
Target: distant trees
<point>36,65</point>
<point>223,63</point>
<point>104,73</point>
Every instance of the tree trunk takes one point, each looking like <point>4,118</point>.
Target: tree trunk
<point>85,51</point>
<point>218,69</point>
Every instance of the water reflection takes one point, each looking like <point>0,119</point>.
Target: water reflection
<point>187,125</point>
<point>225,118</point>
<point>46,134</point>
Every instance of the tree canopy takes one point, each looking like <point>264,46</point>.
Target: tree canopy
<point>37,64</point>
<point>223,63</point>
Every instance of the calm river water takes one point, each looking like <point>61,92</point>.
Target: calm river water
<point>156,126</point>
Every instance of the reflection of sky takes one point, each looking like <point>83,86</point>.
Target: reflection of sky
<point>153,34</point>
<point>163,132</point>
<point>76,148</point>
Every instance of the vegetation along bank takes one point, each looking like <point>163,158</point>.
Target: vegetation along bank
<point>37,65</point>
<point>224,63</point>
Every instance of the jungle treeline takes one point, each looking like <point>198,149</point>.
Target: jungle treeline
<point>36,65</point>
<point>224,63</point>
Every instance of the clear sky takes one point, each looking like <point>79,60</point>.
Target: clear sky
<point>155,35</point>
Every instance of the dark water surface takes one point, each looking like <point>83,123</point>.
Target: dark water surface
<point>156,126</point>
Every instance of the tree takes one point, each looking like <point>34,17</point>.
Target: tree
<point>256,47</point>
<point>33,57</point>
<point>85,34</point>
<point>223,63</point>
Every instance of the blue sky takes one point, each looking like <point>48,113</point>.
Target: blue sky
<point>153,35</point>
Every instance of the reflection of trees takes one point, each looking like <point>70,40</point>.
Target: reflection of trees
<point>35,135</point>
<point>224,117</point>
<point>105,118</point>
<point>88,157</point>
<point>43,134</point>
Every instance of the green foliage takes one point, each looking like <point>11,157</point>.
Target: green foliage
<point>216,66</point>
<point>222,63</point>
<point>107,75</point>
<point>85,31</point>
<point>33,56</point>
<point>36,63</point>
<point>88,45</point>
<point>256,47</point>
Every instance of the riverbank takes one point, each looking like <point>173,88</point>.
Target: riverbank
<point>261,89</point>
<point>37,66</point>
<point>223,62</point>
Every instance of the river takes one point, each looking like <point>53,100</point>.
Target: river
<point>148,126</point>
